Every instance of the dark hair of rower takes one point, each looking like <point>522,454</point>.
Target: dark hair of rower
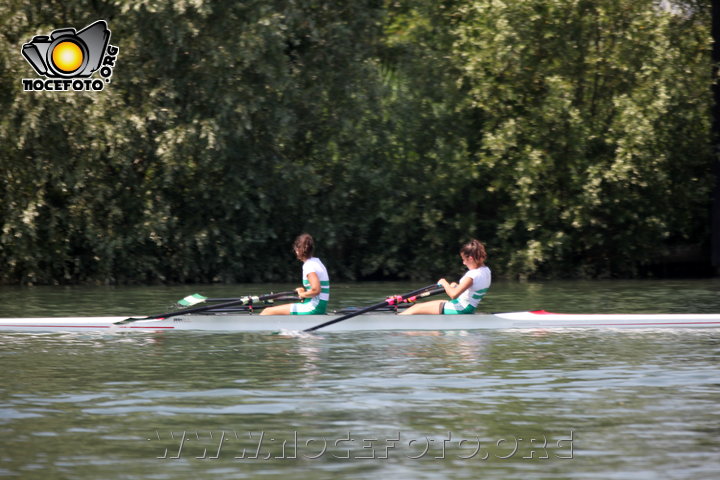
<point>475,249</point>
<point>304,246</point>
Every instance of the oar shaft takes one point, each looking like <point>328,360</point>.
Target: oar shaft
<point>248,308</point>
<point>421,292</point>
<point>194,299</point>
<point>240,301</point>
<point>289,298</point>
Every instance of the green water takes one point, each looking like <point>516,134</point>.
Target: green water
<point>481,404</point>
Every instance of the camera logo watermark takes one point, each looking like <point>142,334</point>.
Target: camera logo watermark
<point>68,58</point>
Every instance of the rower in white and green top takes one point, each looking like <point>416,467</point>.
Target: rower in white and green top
<point>315,291</point>
<point>465,294</point>
<point>313,267</point>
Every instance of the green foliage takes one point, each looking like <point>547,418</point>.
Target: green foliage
<point>570,135</point>
<point>596,131</point>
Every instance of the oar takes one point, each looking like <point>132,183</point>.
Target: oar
<point>389,308</point>
<point>196,298</point>
<point>240,301</point>
<point>250,308</point>
<point>407,297</point>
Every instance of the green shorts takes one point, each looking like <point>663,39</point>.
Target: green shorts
<point>308,307</point>
<point>454,307</point>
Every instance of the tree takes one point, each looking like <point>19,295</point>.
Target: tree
<point>597,129</point>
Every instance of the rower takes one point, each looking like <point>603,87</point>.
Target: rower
<point>316,283</point>
<point>465,294</point>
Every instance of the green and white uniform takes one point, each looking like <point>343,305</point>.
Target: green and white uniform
<point>318,304</point>
<point>468,301</point>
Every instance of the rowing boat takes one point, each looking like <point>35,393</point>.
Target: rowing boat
<point>244,322</point>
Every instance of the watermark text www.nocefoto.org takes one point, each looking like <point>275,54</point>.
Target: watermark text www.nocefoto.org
<point>263,446</point>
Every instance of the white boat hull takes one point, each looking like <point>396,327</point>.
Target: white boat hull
<point>369,321</point>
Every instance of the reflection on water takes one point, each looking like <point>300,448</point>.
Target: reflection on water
<point>530,404</point>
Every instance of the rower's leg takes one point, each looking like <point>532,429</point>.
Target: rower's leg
<point>425,308</point>
<point>277,310</point>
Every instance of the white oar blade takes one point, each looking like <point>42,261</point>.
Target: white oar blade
<point>191,300</point>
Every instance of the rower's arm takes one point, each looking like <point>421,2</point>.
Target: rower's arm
<point>314,287</point>
<point>454,290</point>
